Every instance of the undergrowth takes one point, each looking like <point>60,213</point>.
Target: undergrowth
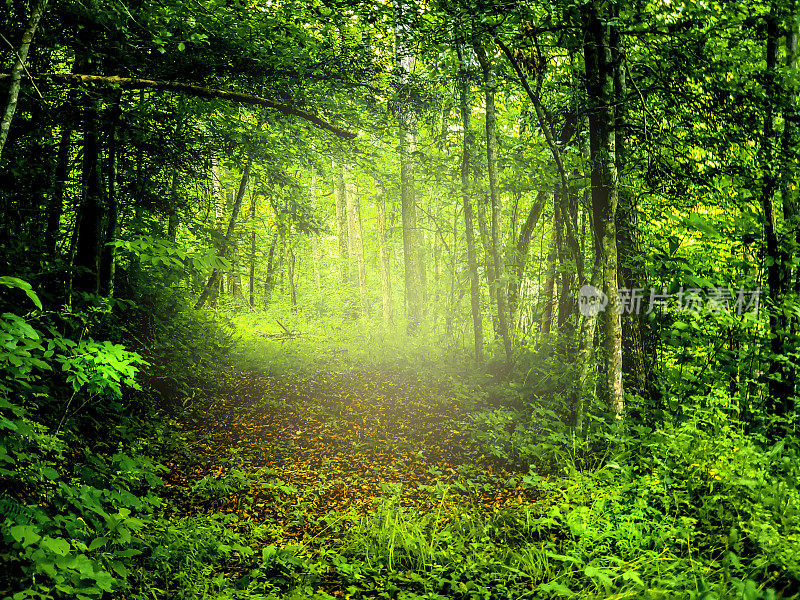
<point>91,507</point>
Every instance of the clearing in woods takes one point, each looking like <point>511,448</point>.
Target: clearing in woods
<point>345,434</point>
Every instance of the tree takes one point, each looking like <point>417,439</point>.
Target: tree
<point>406,115</point>
<point>605,185</point>
<point>465,65</point>
<point>494,192</point>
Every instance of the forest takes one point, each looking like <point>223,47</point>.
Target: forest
<point>414,300</point>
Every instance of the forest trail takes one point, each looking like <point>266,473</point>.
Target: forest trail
<point>348,433</point>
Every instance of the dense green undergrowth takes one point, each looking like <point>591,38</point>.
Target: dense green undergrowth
<point>696,509</point>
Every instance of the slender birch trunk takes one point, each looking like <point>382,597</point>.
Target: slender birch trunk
<point>17,69</point>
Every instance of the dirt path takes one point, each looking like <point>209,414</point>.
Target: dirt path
<point>354,431</point>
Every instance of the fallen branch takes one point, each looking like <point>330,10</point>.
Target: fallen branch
<point>193,90</point>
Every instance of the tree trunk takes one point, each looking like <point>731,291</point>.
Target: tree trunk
<point>490,84</point>
<point>587,327</point>
<point>269,280</point>
<point>522,249</point>
<point>341,221</point>
<point>465,66</point>
<point>218,199</point>
<point>16,71</point>
<point>491,280</point>
<point>290,264</point>
<point>791,206</point>
<point>548,297</point>
<point>314,236</point>
<point>56,206</point>
<point>216,274</point>
<point>92,211</point>
<point>780,398</point>
<point>567,258</point>
<point>407,121</point>
<point>386,281</point>
<point>356,249</point>
<point>108,260</point>
<point>638,344</point>
<point>605,187</point>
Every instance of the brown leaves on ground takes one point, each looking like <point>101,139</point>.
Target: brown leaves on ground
<point>345,435</point>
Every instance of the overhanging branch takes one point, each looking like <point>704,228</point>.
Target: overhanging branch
<point>194,90</point>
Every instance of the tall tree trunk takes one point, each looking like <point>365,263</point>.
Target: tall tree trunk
<point>218,199</point>
<point>290,264</point>
<point>108,259</point>
<point>465,67</point>
<point>341,221</point>
<point>522,250</point>
<point>490,84</point>
<point>548,296</point>
<point>216,274</point>
<point>567,257</point>
<point>407,117</point>
<point>356,249</point>
<point>315,236</point>
<point>605,186</point>
<point>252,274</point>
<point>638,344</point>
<point>269,280</point>
<point>92,211</point>
<point>56,206</point>
<point>791,206</point>
<point>491,279</point>
<point>235,288</point>
<point>587,326</point>
<point>771,160</point>
<point>386,281</point>
<point>16,71</point>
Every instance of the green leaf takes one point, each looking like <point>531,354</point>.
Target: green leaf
<point>554,587</point>
<point>57,546</point>
<point>25,534</point>
<point>50,473</point>
<point>598,574</point>
<point>98,543</point>
<point>15,282</point>
<point>633,576</point>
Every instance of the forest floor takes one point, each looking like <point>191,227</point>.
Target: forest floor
<point>347,435</point>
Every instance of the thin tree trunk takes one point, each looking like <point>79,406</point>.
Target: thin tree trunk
<point>92,211</point>
<point>314,236</point>
<point>386,282</point>
<point>491,280</point>
<point>791,207</point>
<point>605,188</point>
<point>567,305</point>
<point>16,71</point>
<point>587,327</point>
<point>465,65</point>
<point>548,298</point>
<point>407,121</point>
<point>522,250</point>
<point>108,259</point>
<point>216,274</point>
<point>269,281</point>
<point>341,221</point>
<point>290,264</point>
<point>252,274</point>
<point>356,243</point>
<point>56,207</point>
<point>490,84</point>
<point>780,398</point>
